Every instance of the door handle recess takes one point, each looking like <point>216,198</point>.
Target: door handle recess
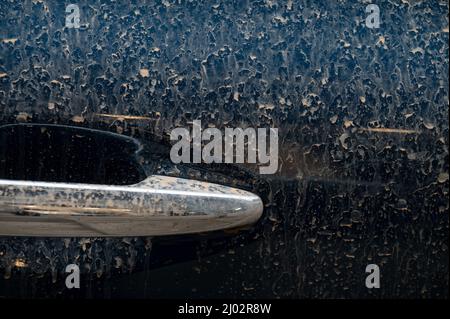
<point>159,205</point>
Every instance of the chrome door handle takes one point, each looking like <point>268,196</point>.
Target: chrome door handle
<point>159,205</point>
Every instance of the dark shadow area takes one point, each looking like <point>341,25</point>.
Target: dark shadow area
<point>56,153</point>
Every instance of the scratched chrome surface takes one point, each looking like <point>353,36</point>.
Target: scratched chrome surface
<point>159,205</point>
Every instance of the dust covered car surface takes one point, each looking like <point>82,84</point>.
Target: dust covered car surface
<point>362,114</point>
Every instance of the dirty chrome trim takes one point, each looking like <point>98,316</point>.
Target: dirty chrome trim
<point>159,205</point>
